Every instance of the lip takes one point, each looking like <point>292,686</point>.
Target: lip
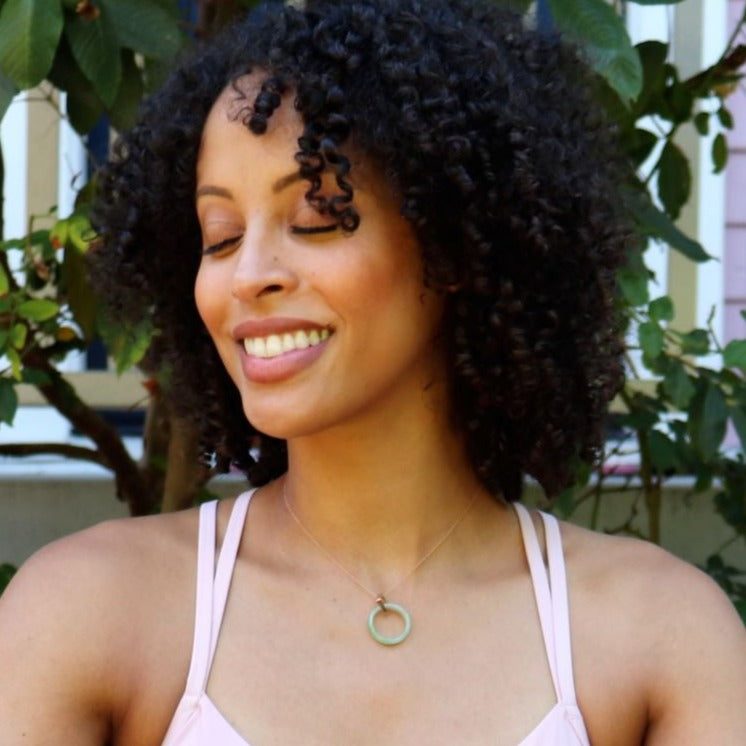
<point>281,367</point>
<point>275,325</point>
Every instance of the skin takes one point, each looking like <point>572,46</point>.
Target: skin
<point>96,629</point>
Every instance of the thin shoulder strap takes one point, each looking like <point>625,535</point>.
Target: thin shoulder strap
<point>212,586</point>
<point>560,609</point>
<point>542,592</point>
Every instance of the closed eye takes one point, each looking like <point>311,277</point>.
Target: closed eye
<point>224,244</point>
<point>309,230</point>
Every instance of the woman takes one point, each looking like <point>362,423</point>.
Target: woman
<point>398,223</point>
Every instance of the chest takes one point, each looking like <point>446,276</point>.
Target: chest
<point>296,665</point>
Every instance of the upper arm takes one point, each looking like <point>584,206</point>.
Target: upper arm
<point>56,633</point>
<point>698,664</point>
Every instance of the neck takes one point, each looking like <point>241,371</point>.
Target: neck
<point>378,498</point>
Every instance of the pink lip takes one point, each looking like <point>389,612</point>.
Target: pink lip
<point>280,367</point>
<point>278,325</point>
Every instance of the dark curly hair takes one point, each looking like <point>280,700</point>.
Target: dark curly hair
<point>508,174</point>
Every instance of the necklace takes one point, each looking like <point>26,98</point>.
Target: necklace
<point>382,604</point>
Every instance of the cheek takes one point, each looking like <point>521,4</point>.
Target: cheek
<point>206,297</point>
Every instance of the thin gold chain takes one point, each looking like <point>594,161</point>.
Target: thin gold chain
<point>351,575</point>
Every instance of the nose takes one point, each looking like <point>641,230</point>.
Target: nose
<point>262,267</point>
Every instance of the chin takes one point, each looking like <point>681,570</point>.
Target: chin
<point>282,424</point>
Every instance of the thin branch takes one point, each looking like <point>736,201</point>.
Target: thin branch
<point>54,449</point>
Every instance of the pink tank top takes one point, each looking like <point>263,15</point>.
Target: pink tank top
<point>197,722</point>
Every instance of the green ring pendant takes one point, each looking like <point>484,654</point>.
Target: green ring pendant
<point>396,609</point>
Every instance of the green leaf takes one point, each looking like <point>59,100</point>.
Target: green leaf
<point>78,291</point>
<point>8,401</point>
<point>35,377</point>
<point>678,385</point>
<point>674,179</point>
<point>123,113</point>
<point>95,46</point>
<point>127,344</point>
<point>725,118</point>
<point>17,336</point>
<point>84,108</point>
<point>79,232</point>
<point>734,354</point>
<point>4,281</point>
<point>638,145</point>
<point>38,309</point>
<point>653,222</point>
<point>15,362</point>
<point>144,27</point>
<point>738,418</point>
<point>650,336</point>
<point>661,309</point>
<point>662,451</point>
<point>677,102</point>
<point>653,55</point>
<point>740,605</point>
<point>696,342</point>
<point>8,89</point>
<point>719,153</point>
<point>6,574</point>
<point>7,571</point>
<point>702,122</point>
<point>634,287</point>
<point>595,25</point>
<point>708,420</point>
<point>31,30</point>
<point>633,279</point>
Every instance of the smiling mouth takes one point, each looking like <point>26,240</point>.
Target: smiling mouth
<point>274,345</point>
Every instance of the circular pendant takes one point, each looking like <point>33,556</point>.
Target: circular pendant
<point>387,606</point>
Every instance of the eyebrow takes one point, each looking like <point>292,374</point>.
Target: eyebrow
<point>216,191</point>
<point>286,181</point>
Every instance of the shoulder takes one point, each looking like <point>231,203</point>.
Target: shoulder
<point>106,558</point>
<point>666,630</point>
<point>643,579</point>
<point>80,618</point>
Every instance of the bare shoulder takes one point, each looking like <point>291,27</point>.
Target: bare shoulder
<point>645,580</point>
<point>78,619</point>
<point>103,562</point>
<point>668,632</point>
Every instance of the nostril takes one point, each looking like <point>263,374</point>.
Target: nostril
<point>270,289</point>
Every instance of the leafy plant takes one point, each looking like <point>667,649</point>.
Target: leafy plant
<point>679,427</point>
<point>105,55</point>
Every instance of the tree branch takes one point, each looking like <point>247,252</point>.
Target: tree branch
<point>131,486</point>
<point>57,449</point>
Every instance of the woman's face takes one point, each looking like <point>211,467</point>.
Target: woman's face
<point>315,329</point>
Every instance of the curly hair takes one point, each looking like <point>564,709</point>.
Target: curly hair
<point>507,171</point>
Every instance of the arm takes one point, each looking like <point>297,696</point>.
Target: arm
<point>57,662</point>
<point>698,672</point>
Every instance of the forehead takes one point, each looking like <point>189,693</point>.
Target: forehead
<point>236,104</point>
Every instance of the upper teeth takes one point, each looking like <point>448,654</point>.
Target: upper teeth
<point>276,344</point>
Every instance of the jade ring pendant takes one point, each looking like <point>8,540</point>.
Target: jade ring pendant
<point>387,606</point>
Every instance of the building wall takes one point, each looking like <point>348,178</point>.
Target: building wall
<point>735,218</point>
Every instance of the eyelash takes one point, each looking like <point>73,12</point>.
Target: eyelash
<point>216,247</point>
<point>302,230</point>
<point>298,230</point>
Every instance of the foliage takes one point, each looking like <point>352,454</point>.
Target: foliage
<point>107,53</point>
<point>679,428</point>
<point>6,573</point>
